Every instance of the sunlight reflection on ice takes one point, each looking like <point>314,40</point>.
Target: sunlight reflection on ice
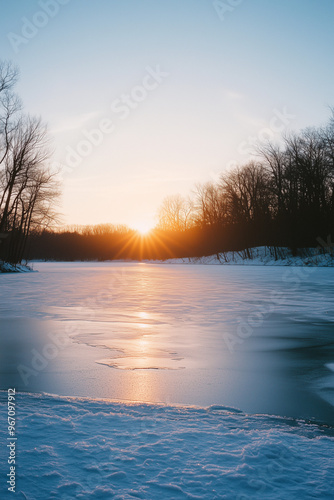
<point>153,332</point>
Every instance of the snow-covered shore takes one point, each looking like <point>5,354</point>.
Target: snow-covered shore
<point>5,267</point>
<point>85,448</point>
<point>259,256</point>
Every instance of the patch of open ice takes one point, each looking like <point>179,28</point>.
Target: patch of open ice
<point>224,408</point>
<point>138,363</point>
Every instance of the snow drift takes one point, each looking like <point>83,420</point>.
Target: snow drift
<point>80,448</point>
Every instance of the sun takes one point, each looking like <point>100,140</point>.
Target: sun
<point>143,228</point>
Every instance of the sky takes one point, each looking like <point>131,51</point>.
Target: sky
<point>147,98</point>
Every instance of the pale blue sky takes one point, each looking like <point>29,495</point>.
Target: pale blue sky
<point>226,78</point>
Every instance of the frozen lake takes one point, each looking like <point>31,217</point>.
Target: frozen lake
<point>255,338</point>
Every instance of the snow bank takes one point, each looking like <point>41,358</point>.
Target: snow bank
<point>259,256</point>
<point>5,267</point>
<point>79,448</point>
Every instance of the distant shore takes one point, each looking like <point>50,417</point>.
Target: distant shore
<point>258,256</point>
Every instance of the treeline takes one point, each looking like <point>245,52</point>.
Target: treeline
<point>283,197</point>
<point>27,187</point>
<point>112,243</point>
<point>115,243</point>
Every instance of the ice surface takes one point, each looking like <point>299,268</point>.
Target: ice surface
<point>78,448</point>
<point>256,338</point>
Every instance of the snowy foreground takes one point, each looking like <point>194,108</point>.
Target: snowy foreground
<point>79,448</point>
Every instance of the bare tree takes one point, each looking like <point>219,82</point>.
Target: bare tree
<point>246,190</point>
<point>175,213</point>
<point>210,204</point>
<point>9,74</point>
<point>275,161</point>
<point>10,105</point>
<point>27,187</point>
<point>27,152</point>
<point>310,174</point>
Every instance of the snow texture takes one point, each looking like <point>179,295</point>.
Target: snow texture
<point>79,448</point>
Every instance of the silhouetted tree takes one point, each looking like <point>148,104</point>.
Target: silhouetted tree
<point>210,203</point>
<point>175,214</point>
<point>27,187</point>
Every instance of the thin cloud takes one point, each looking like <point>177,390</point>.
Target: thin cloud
<point>68,123</point>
